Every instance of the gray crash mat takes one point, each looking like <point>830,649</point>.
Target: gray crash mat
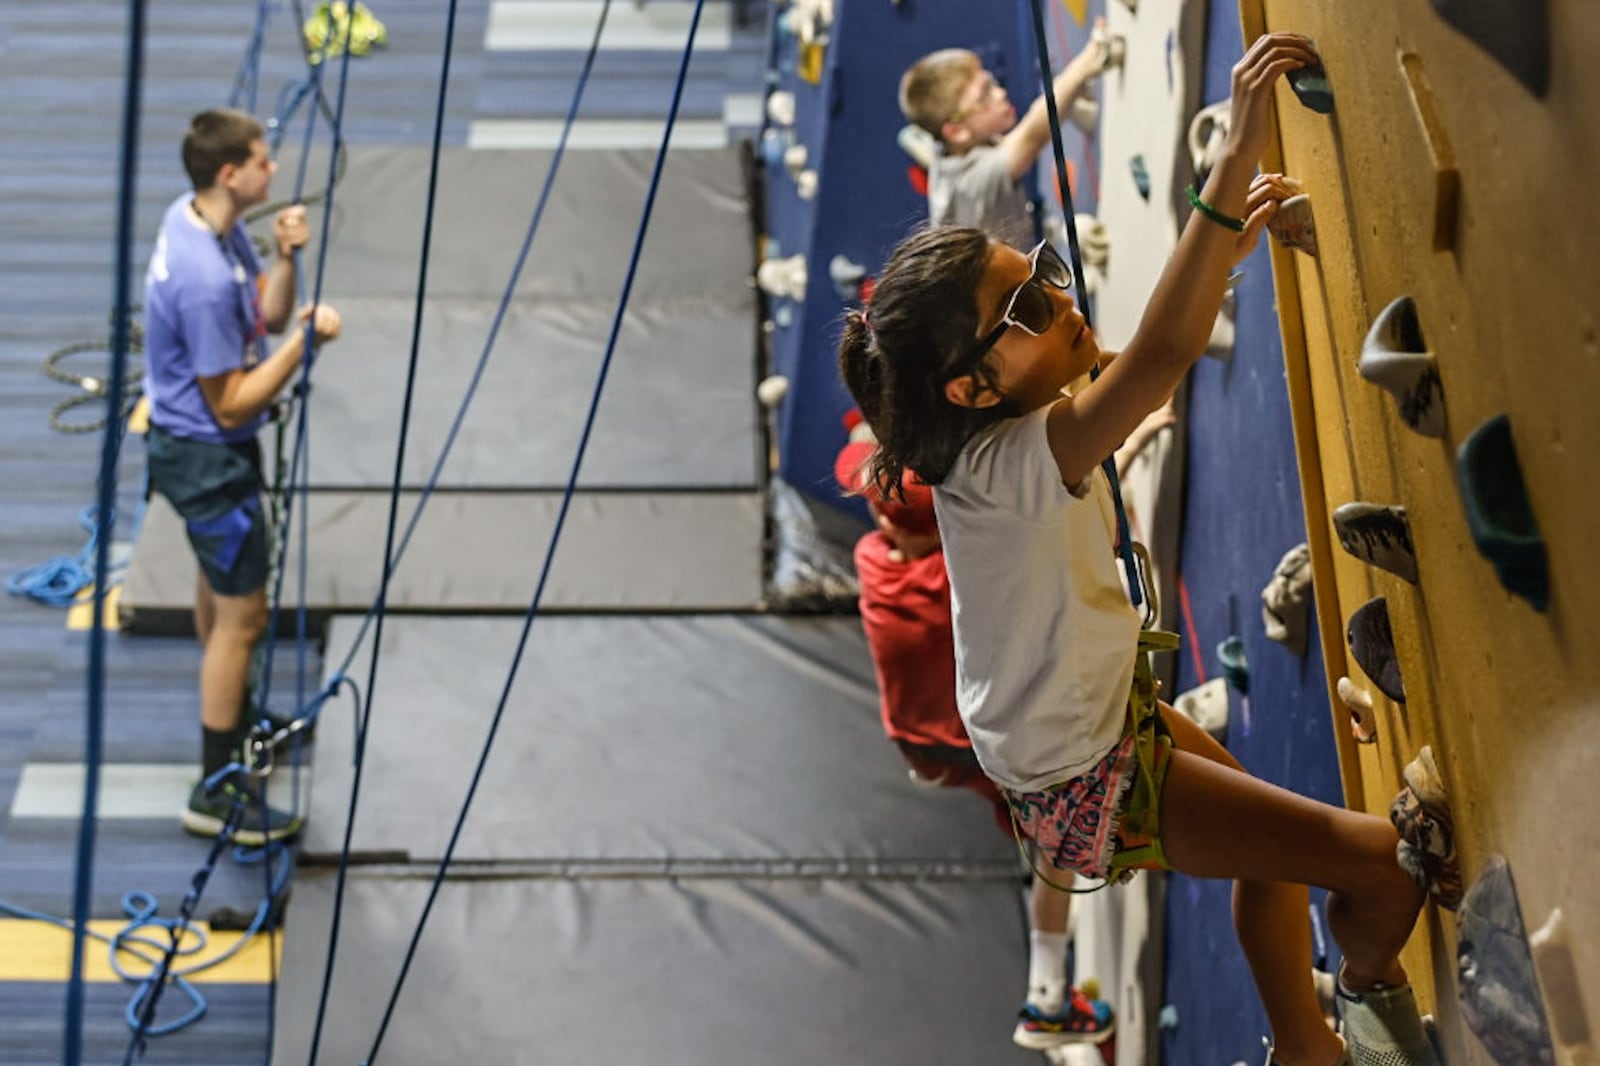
<point>678,408</point>
<point>700,242</point>
<point>637,740</point>
<point>670,972</point>
<point>481,552</point>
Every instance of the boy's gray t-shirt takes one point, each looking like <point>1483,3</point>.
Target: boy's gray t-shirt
<point>976,189</point>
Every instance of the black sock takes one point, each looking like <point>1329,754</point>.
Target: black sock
<point>218,748</point>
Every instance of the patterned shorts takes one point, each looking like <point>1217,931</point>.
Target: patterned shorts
<point>1076,822</point>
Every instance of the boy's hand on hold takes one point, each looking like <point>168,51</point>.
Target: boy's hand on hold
<point>1092,60</point>
<point>1250,115</point>
<point>290,229</point>
<point>325,321</point>
<point>1267,191</point>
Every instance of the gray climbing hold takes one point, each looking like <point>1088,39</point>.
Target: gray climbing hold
<point>1498,988</point>
<point>1310,84</point>
<point>1498,512</point>
<point>1286,601</point>
<point>1517,36</point>
<point>1396,357</point>
<point>1378,535</point>
<point>1372,645</point>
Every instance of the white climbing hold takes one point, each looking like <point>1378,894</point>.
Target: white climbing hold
<point>805,184</point>
<point>1207,707</point>
<point>1293,225</point>
<point>1358,701</point>
<point>794,158</point>
<point>917,143</point>
<point>784,278</point>
<point>781,107</point>
<point>1396,357</point>
<point>772,390</point>
<point>1208,132</point>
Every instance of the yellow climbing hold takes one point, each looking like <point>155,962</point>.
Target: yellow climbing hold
<point>1080,11</point>
<point>331,25</point>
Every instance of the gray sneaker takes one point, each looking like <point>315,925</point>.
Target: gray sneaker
<point>207,816</point>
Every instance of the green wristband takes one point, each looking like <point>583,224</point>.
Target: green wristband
<point>1225,221</point>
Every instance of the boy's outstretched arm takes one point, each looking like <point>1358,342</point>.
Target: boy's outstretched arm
<point>1032,131</point>
<point>1177,322</point>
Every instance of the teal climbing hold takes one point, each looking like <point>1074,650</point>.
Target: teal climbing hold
<point>1499,514</point>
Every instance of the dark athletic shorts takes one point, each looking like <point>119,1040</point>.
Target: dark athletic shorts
<point>216,488</point>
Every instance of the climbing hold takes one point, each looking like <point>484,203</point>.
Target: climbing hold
<point>1131,5</point>
<point>1396,357</point>
<point>1558,977</point>
<point>1207,707</point>
<point>1293,225</point>
<point>917,143</point>
<point>774,143</point>
<point>1230,653</point>
<point>1208,132</point>
<point>1168,1018</point>
<point>805,184</point>
<point>1286,601</point>
<point>846,275</point>
<point>1310,84</point>
<point>784,278</point>
<point>1498,512</point>
<point>1358,701</point>
<point>1141,176</point>
<point>772,390</point>
<point>1427,848</point>
<point>1372,644</point>
<point>794,158</point>
<point>1499,990</point>
<point>1378,535</point>
<point>1517,36</point>
<point>1094,242</point>
<point>781,107</point>
<point>1115,44</point>
<point>783,317</point>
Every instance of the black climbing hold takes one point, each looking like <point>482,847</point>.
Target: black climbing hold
<point>1516,35</point>
<point>1498,512</point>
<point>1378,535</point>
<point>1372,644</point>
<point>1230,653</point>
<point>1310,84</point>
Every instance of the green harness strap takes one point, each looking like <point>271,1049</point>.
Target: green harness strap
<point>1152,746</point>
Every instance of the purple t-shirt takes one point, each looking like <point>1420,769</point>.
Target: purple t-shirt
<point>202,310</point>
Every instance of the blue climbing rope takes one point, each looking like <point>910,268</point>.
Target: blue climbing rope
<point>1136,575</point>
<point>246,82</point>
<point>94,738</point>
<point>555,538</point>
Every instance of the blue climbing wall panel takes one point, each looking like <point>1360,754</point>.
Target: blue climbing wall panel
<point>1242,511</point>
<point>864,202</point>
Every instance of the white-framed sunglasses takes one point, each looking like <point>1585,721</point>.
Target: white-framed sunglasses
<point>1029,307</point>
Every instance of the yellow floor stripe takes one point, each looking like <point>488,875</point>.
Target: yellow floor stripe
<point>39,951</point>
<point>81,614</point>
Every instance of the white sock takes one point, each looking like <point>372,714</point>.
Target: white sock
<point>1047,969</point>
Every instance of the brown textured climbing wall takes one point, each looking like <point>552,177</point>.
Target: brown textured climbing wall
<point>1439,175</point>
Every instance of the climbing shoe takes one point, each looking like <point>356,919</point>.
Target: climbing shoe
<point>207,815</point>
<point>1079,1020</point>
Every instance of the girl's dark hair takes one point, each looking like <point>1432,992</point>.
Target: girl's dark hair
<point>922,333</point>
<point>215,139</point>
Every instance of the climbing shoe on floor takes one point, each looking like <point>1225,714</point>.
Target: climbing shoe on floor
<point>1079,1020</point>
<point>207,816</point>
